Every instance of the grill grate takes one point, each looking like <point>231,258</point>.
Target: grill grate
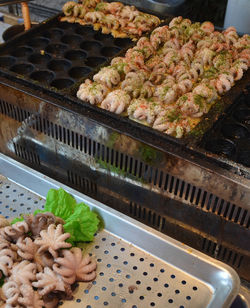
<point>222,253</point>
<point>126,276</point>
<point>27,155</point>
<point>85,184</point>
<point>125,163</point>
<point>120,162</point>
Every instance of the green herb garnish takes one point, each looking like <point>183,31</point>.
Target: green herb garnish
<point>173,116</point>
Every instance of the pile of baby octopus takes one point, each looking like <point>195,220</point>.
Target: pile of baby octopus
<point>171,79</point>
<point>39,266</point>
<point>116,18</point>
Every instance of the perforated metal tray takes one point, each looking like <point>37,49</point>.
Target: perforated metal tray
<point>137,266</point>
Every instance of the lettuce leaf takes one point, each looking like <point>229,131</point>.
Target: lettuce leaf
<point>80,221</point>
<point>82,224</point>
<point>60,203</point>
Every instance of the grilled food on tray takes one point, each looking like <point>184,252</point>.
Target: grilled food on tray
<point>116,18</point>
<point>38,265</point>
<point>170,80</point>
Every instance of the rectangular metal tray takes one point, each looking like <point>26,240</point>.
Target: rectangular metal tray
<point>137,266</point>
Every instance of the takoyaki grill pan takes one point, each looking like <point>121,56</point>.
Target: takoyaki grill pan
<point>55,55</point>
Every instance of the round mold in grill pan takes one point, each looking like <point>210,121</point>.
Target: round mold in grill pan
<point>94,61</point>
<point>59,65</point>
<point>233,130</point>
<point>122,42</point>
<point>107,39</point>
<point>62,83</point>
<point>110,51</point>
<point>75,55</point>
<point>243,99</point>
<point>242,115</point>
<point>44,77</point>
<point>66,25</point>
<point>91,46</point>
<point>54,33</point>
<point>247,99</point>
<point>56,49</point>
<point>40,42</point>
<point>85,31</point>
<point>22,68</point>
<point>78,72</point>
<point>7,61</point>
<point>221,146</point>
<point>39,59</point>
<point>22,51</point>
<point>71,39</point>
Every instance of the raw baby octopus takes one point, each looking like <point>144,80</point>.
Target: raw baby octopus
<point>41,221</point>
<point>39,262</point>
<point>74,267</point>
<point>52,240</point>
<point>30,298</point>
<point>28,250</point>
<point>48,281</point>
<point>12,233</point>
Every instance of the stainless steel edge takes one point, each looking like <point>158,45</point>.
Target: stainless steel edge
<point>222,279</point>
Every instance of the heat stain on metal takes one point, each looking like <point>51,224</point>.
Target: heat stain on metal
<point>126,276</point>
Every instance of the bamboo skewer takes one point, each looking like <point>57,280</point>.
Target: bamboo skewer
<point>26,15</point>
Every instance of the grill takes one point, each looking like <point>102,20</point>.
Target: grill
<point>178,187</point>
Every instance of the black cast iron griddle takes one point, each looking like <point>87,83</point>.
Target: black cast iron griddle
<point>56,54</point>
<point>56,57</point>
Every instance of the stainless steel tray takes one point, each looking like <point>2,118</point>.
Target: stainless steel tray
<point>138,267</point>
